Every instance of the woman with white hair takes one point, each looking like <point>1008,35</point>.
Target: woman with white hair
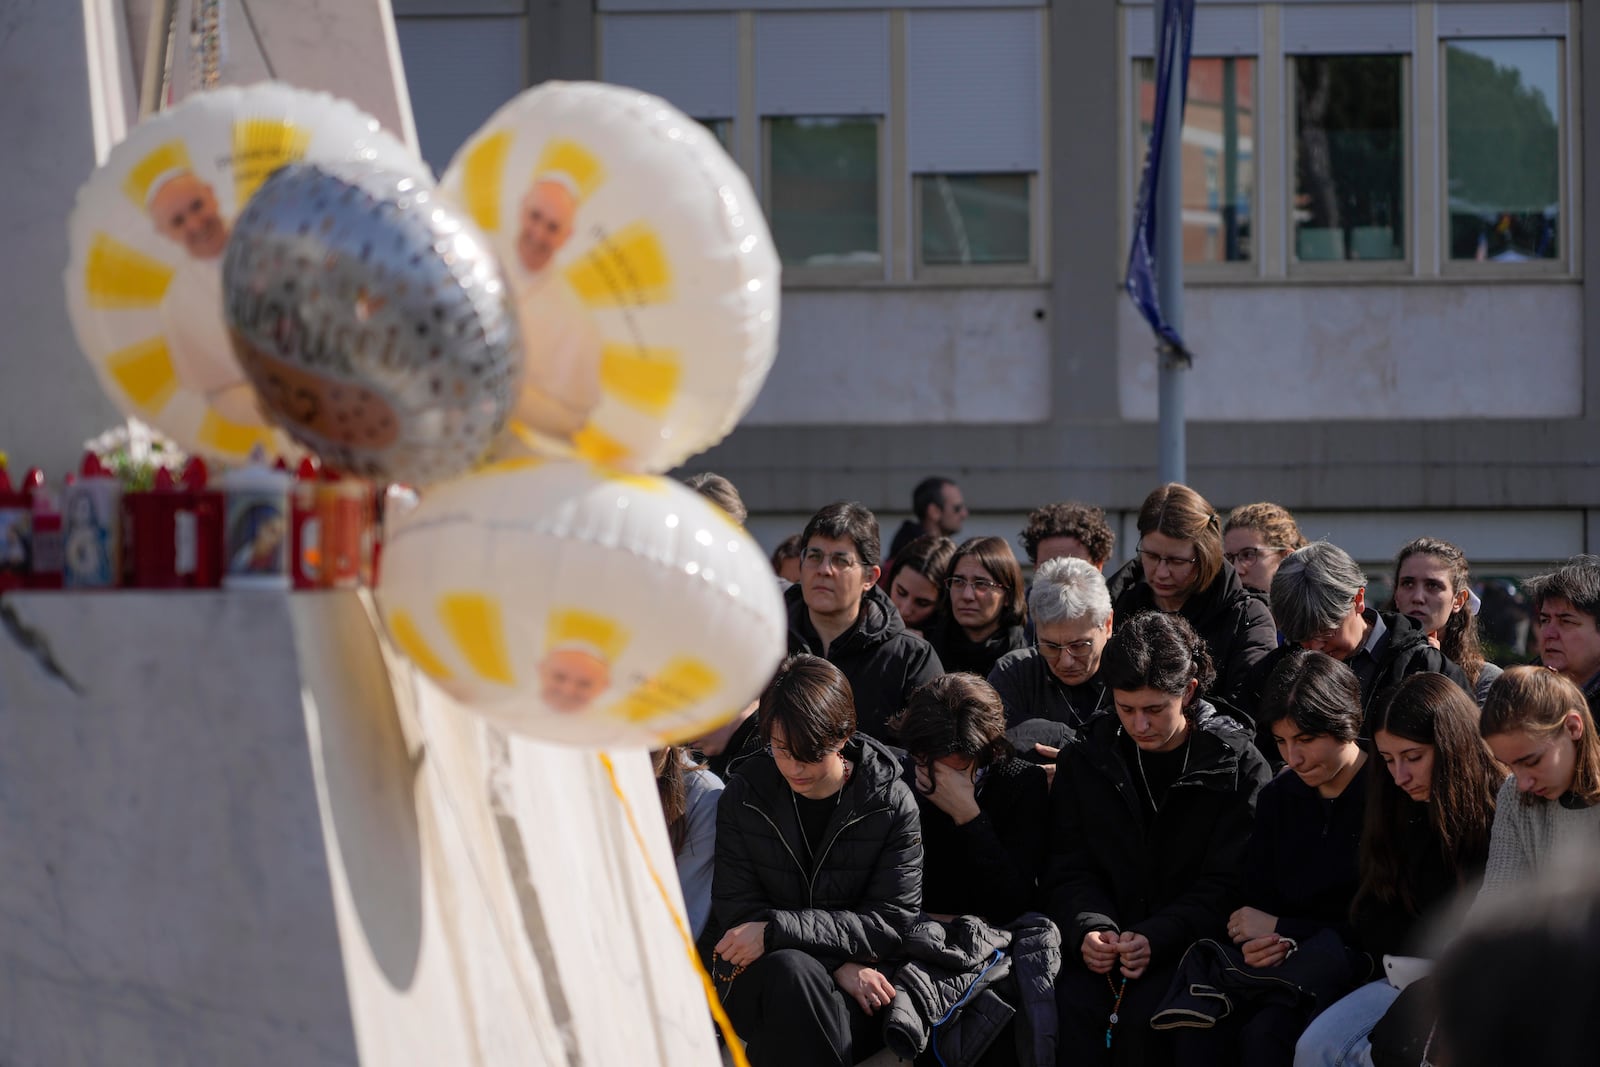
<point>1056,678</point>
<point>1319,600</point>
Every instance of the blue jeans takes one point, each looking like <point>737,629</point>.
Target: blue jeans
<point>1339,1036</point>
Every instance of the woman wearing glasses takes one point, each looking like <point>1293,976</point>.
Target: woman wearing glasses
<point>987,611</point>
<point>1150,819</point>
<point>1255,540</point>
<point>818,876</point>
<point>1179,568</point>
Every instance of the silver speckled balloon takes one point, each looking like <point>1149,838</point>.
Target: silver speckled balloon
<point>373,320</point>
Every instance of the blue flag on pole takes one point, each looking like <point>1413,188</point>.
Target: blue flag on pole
<point>1177,26</point>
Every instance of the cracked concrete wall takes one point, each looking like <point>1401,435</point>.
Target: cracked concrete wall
<point>235,832</point>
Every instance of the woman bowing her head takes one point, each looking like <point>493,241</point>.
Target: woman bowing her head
<point>1150,817</point>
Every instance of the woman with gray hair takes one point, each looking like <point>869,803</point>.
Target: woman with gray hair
<point>1319,600</point>
<point>1052,689</point>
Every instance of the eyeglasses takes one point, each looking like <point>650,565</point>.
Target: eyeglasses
<point>1075,650</point>
<point>1250,555</point>
<point>839,561</point>
<point>1152,561</point>
<point>980,586</point>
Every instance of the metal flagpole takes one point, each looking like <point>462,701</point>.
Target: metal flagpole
<point>1174,363</point>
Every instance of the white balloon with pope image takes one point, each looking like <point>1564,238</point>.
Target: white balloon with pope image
<point>645,276</point>
<point>144,279</point>
<point>571,603</point>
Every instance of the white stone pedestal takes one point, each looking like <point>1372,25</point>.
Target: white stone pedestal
<point>232,833</point>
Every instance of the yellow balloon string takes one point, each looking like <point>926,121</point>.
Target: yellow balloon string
<point>735,1046</point>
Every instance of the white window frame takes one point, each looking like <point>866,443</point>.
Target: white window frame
<point>1241,36</point>
<point>1353,268</point>
<point>801,275</point>
<point>1431,27</point>
<point>899,233</point>
<point>1484,25</point>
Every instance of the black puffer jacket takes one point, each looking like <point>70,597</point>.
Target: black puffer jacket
<point>1236,627</point>
<point>882,659</point>
<point>1173,877</point>
<point>963,981</point>
<point>958,652</point>
<point>867,888</point>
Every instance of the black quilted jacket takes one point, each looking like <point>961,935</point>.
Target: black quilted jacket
<point>867,888</point>
<point>963,981</point>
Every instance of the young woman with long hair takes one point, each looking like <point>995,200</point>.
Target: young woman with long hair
<point>689,793</point>
<point>1538,725</point>
<point>1433,585</point>
<point>916,582</point>
<point>1425,838</point>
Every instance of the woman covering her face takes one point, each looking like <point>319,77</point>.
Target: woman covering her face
<point>984,811</point>
<point>1426,836</point>
<point>1150,816</point>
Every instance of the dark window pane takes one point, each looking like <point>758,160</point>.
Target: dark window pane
<point>1504,141</point>
<point>1349,199</point>
<point>1219,127</point>
<point>824,187</point>
<point>974,218</point>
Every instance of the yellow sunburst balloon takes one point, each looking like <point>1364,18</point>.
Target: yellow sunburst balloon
<point>144,281</point>
<point>645,276</point>
<point>570,603</point>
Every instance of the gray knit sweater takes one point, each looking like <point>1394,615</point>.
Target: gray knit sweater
<point>1527,836</point>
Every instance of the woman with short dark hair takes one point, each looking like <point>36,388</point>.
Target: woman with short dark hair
<point>984,811</point>
<point>1300,872</point>
<point>818,876</point>
<point>1151,815</point>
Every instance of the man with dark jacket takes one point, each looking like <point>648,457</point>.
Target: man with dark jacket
<point>818,878</point>
<point>937,508</point>
<point>838,612</point>
<point>1319,602</point>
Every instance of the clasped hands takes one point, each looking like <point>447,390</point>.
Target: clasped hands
<point>1105,949</point>
<point>1256,934</point>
